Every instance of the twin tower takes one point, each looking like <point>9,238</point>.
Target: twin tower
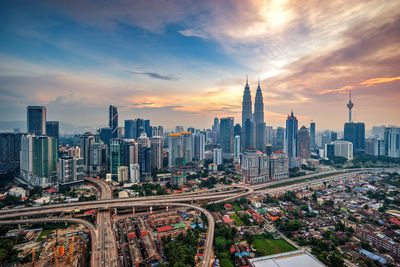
<point>253,125</point>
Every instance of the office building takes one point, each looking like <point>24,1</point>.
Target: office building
<point>355,133</point>
<point>269,133</point>
<point>375,146</point>
<point>326,138</point>
<point>279,166</point>
<point>291,140</point>
<point>236,147</point>
<point>158,131</point>
<point>87,140</point>
<point>343,149</point>
<point>113,120</point>
<point>130,129</point>
<point>134,173</point>
<point>248,134</point>
<point>52,129</point>
<point>38,160</point>
<point>123,174</point>
<point>312,136</point>
<point>156,144</point>
<point>179,129</point>
<point>268,149</point>
<point>70,170</point>
<point>303,143</point>
<point>279,139</point>
<point>105,135</point>
<point>329,151</point>
<point>378,131</point>
<point>117,156</point>
<point>98,159</point>
<point>259,119</point>
<point>392,142</point>
<point>145,160</point>
<point>199,143</point>
<point>180,149</point>
<point>36,120</point>
<point>217,156</point>
<point>10,148</point>
<point>255,167</point>
<point>74,152</point>
<point>333,136</point>
<point>226,134</point>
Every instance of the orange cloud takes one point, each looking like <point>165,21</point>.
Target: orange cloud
<point>344,88</point>
<point>371,82</point>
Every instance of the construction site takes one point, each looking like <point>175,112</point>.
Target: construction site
<point>58,247</point>
<point>140,236</point>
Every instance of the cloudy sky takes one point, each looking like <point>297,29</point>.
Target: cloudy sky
<point>183,62</point>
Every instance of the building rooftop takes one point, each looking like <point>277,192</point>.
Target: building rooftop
<point>298,258</point>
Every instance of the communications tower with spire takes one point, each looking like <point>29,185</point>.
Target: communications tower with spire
<point>350,105</point>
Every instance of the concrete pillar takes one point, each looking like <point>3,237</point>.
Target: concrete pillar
<point>151,209</point>
<point>133,210</point>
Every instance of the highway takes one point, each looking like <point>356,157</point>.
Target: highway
<point>104,244</point>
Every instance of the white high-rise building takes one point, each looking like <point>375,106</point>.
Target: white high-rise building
<point>122,174</point>
<point>255,167</point>
<point>217,156</point>
<point>134,173</point>
<point>199,142</point>
<point>70,169</point>
<point>156,144</point>
<point>236,147</point>
<point>343,149</point>
<point>392,142</point>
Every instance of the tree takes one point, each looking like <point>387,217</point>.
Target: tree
<point>220,244</point>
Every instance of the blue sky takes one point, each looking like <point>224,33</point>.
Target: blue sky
<point>184,62</point>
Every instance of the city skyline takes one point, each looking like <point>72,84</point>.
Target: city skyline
<point>184,63</point>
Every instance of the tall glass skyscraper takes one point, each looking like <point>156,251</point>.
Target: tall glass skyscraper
<point>113,120</point>
<point>259,119</point>
<point>226,134</point>
<point>248,136</point>
<point>291,139</point>
<point>36,120</point>
<point>312,135</point>
<point>52,129</point>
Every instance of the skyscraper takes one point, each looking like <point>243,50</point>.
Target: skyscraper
<point>303,143</point>
<point>179,149</point>
<point>236,147</point>
<point>237,130</point>
<point>36,120</point>
<point>248,136</point>
<point>10,147</point>
<point>291,139</point>
<point>279,139</point>
<point>312,135</point>
<point>392,142</point>
<point>87,140</point>
<point>226,134</point>
<point>156,144</point>
<point>113,121</point>
<point>354,132</point>
<point>105,135</point>
<point>52,129</point>
<point>130,129</point>
<point>259,119</point>
<point>199,142</point>
<point>217,156</point>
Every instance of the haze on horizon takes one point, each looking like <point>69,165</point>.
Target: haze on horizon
<point>184,62</point>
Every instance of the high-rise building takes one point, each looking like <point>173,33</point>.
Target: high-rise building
<point>237,130</point>
<point>52,129</point>
<point>333,136</point>
<point>123,174</point>
<point>326,138</point>
<point>147,128</point>
<point>70,170</point>
<point>217,156</point>
<point>215,127</point>
<point>36,120</point>
<point>98,159</point>
<point>179,129</point>
<point>87,140</point>
<point>145,160</point>
<point>180,149</point>
<point>10,148</point>
<point>130,129</point>
<point>303,143</point>
<point>291,140</point>
<point>279,139</point>
<point>113,120</point>
<point>343,149</point>
<point>117,156</point>
<point>105,135</point>
<point>134,173</point>
<point>236,147</point>
<point>156,144</point>
<point>329,151</point>
<point>74,152</point>
<point>269,133</point>
<point>259,119</point>
<point>312,135</point>
<point>378,131</point>
<point>355,133</point>
<point>375,146</point>
<point>279,166</point>
<point>392,142</point>
<point>248,134</point>
<point>226,134</point>
<point>255,167</point>
<point>157,131</point>
<point>38,162</point>
<point>199,142</point>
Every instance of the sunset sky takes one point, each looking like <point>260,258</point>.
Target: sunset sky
<point>183,62</point>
